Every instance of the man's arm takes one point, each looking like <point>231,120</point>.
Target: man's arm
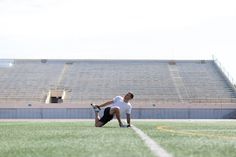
<point>105,104</point>
<point>128,119</point>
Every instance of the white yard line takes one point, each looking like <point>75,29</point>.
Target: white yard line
<point>154,147</point>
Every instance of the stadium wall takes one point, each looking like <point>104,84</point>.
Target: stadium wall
<point>137,113</point>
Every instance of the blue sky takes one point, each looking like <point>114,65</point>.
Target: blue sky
<point>124,29</point>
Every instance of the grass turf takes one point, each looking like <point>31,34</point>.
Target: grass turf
<point>194,139</point>
<point>60,139</point>
<point>56,139</point>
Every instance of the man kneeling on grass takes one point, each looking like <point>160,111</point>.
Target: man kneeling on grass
<point>118,106</point>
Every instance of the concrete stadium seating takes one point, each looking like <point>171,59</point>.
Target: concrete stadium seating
<point>100,80</point>
<point>155,83</point>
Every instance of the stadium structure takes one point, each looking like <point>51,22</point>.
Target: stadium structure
<point>165,89</point>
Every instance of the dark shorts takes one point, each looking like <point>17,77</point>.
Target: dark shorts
<point>106,116</point>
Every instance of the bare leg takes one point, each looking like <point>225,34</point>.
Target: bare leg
<point>116,111</point>
<point>97,118</point>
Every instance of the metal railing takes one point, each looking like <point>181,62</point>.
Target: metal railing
<point>157,100</point>
<point>226,73</point>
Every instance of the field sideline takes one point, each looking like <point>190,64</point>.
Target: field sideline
<point>66,137</point>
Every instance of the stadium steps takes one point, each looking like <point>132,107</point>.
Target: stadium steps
<point>152,81</point>
<point>178,82</point>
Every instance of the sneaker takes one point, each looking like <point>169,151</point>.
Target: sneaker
<point>95,108</point>
<point>125,126</point>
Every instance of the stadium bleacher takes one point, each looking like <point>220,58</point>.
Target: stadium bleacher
<point>162,83</point>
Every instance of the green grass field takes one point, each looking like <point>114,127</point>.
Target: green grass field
<point>194,139</point>
<point>82,139</point>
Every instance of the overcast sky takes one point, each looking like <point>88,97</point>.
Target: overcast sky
<point>124,29</point>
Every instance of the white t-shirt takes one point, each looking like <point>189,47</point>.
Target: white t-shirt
<point>118,101</point>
